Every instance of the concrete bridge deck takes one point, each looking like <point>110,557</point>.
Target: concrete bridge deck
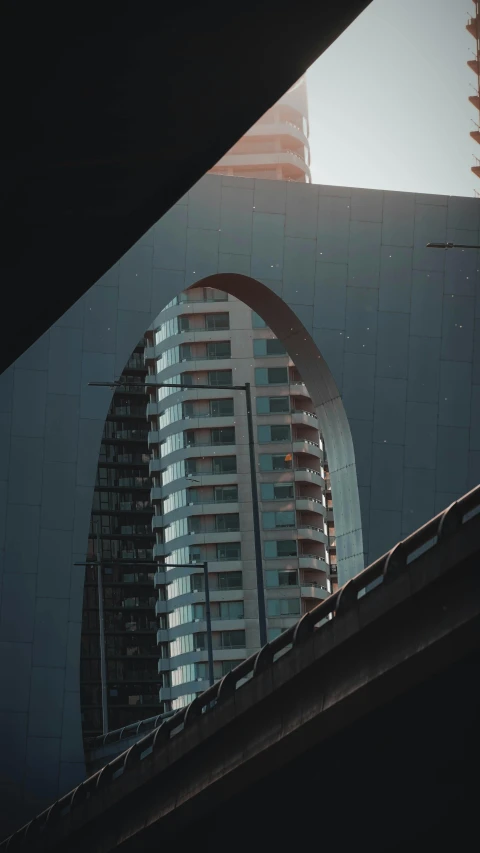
<point>365,710</point>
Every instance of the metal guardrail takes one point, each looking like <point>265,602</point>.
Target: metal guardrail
<point>387,567</point>
<point>126,732</point>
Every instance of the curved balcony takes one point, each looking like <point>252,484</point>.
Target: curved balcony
<point>195,422</point>
<point>204,538</point>
<point>158,550</point>
<point>314,591</point>
<point>200,627</point>
<point>304,445</point>
<point>473,27</point>
<point>213,566</point>
<point>166,694</point>
<point>281,127</point>
<point>305,418</point>
<point>192,509</point>
<point>311,505</point>
<point>288,159</point>
<point>315,534</point>
<point>298,389</point>
<point>191,306</point>
<point>191,336</point>
<point>308,475</point>
<point>312,562</point>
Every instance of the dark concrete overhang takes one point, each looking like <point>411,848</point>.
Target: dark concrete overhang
<point>111,113</point>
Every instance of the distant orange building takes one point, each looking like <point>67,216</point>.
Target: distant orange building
<point>277,146</point>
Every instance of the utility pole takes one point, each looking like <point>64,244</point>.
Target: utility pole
<point>101,630</point>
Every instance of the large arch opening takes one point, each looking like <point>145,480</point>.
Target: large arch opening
<point>294,498</point>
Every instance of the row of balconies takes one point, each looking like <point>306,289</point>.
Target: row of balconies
<point>298,475</point>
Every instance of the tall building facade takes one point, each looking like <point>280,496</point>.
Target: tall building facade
<point>202,490</point>
<point>118,625</point>
<point>473,27</point>
<point>276,147</point>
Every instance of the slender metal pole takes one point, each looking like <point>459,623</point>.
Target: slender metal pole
<point>208,619</point>
<point>262,618</point>
<point>101,627</point>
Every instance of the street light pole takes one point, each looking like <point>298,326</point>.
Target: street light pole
<point>208,620</point>
<point>256,522</point>
<point>101,630</point>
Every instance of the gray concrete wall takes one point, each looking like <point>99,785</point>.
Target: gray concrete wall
<point>398,326</point>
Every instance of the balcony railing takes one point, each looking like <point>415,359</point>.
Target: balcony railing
<point>137,554</point>
<point>129,411</point>
<point>204,356</point>
<point>206,499</point>
<point>211,443</point>
<point>129,435</point>
<point>133,482</point>
<point>207,528</point>
<point>208,415</point>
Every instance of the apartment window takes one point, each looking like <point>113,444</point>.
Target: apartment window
<point>211,294</point>
<point>278,519</point>
<point>268,346</point>
<point>185,352</point>
<point>189,435</point>
<point>190,467</point>
<point>224,465</point>
<point>227,609</point>
<point>232,639</point>
<point>272,405</point>
<point>275,461</point>
<point>229,580</point>
<point>217,322</point>
<point>268,433</point>
<point>221,408</point>
<point>271,376</point>
<point>195,554</point>
<point>223,435</point>
<point>195,524</point>
<point>226,494</point>
<point>217,378</point>
<point>197,583</point>
<point>183,324</point>
<point>283,607</point>
<point>276,491</point>
<point>273,633</point>
<point>280,548</point>
<point>228,522</point>
<point>229,551</point>
<point>220,668</point>
<point>218,349</point>
<point>257,321</point>
<point>276,578</point>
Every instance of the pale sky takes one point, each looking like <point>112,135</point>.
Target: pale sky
<point>388,100</point>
